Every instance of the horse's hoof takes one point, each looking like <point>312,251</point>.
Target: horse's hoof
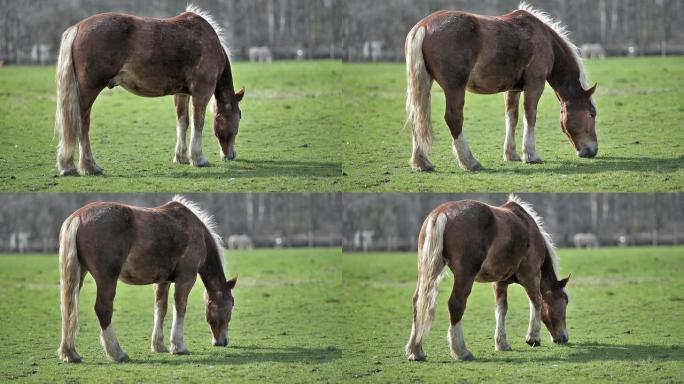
<point>429,168</point>
<point>181,160</point>
<point>417,357</point>
<point>533,342</point>
<point>532,159</point>
<point>72,357</point>
<point>511,157</point>
<point>182,351</point>
<point>467,356</point>
<point>503,347</point>
<point>159,349</point>
<point>202,162</point>
<point>93,170</point>
<point>68,172</point>
<point>123,358</point>
<point>421,164</point>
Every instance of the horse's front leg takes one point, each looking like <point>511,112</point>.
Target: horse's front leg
<point>533,338</point>
<point>463,284</point>
<point>104,308</point>
<point>501,299</point>
<point>532,96</point>
<point>455,100</point>
<point>199,106</point>
<point>512,101</point>
<point>182,122</point>
<point>180,295</point>
<point>161,295</point>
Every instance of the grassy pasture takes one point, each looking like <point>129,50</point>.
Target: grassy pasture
<point>286,325</point>
<point>641,140</point>
<point>288,139</point>
<point>624,322</point>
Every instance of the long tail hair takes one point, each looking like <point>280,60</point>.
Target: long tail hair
<point>431,263</point>
<point>419,83</point>
<point>70,281</point>
<point>68,114</point>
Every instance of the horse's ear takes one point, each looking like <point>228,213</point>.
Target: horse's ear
<point>240,94</point>
<point>564,282</point>
<point>232,282</point>
<point>591,90</point>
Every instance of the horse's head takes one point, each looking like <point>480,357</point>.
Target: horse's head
<point>227,117</point>
<point>578,122</point>
<point>219,308</point>
<point>555,300</point>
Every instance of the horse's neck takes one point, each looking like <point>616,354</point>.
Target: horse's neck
<point>225,92</point>
<point>548,274</point>
<point>565,74</point>
<point>211,271</point>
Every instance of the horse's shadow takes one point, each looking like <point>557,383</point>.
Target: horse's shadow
<point>595,166</point>
<point>590,351</point>
<point>247,354</point>
<point>259,169</point>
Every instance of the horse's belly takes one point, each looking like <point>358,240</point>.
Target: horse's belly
<point>139,275</point>
<point>490,86</point>
<point>134,85</point>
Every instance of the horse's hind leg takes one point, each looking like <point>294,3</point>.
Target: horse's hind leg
<point>457,304</point>
<point>104,308</point>
<point>512,101</point>
<point>182,122</point>
<point>532,97</point>
<point>87,163</point>
<point>455,100</point>
<point>161,295</point>
<point>199,106</point>
<point>501,299</point>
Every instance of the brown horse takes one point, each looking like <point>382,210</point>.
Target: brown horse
<point>182,56</point>
<point>514,53</point>
<point>163,245</point>
<point>479,242</point>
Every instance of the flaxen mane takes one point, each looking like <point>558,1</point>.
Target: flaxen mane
<point>207,220</point>
<point>540,224</point>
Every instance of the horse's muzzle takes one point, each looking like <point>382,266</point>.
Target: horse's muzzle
<point>221,343</point>
<point>589,151</point>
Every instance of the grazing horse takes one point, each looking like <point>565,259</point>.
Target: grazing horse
<point>514,53</point>
<point>163,245</point>
<point>479,242</point>
<point>182,56</point>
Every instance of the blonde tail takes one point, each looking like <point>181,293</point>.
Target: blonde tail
<point>70,282</point>
<point>418,109</point>
<point>430,266</point>
<point>68,114</point>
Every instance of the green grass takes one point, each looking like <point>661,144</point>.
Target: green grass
<point>624,322</point>
<point>286,324</point>
<point>641,140</point>
<point>288,139</point>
